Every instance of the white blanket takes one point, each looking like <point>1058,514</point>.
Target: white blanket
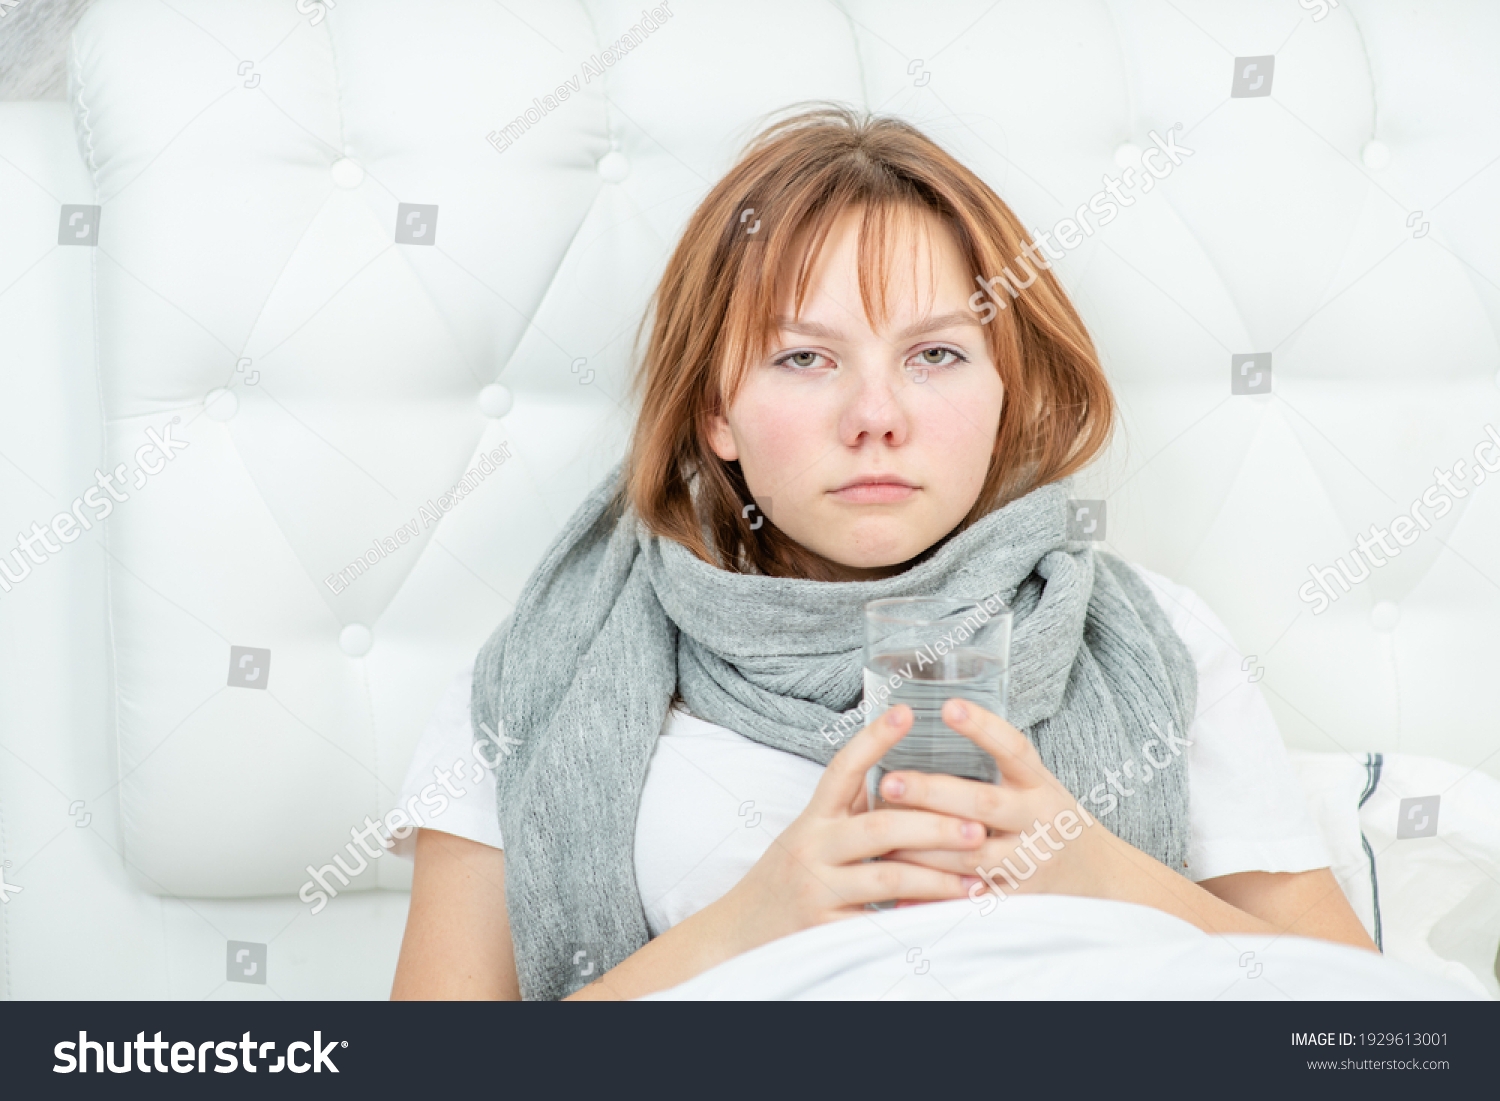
<point>1051,947</point>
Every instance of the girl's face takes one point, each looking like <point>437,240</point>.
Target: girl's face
<point>866,446</point>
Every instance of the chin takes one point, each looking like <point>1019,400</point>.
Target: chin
<point>875,551</point>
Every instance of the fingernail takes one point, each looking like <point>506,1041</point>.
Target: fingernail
<point>972,829</point>
<point>894,788</point>
<point>960,712</point>
<point>969,881</point>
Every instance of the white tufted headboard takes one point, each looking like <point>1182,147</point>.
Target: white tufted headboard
<point>340,261</point>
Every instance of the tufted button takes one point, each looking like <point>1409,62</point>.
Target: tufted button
<point>355,640</point>
<point>347,173</point>
<point>1385,615</point>
<point>614,166</point>
<point>1375,155</point>
<point>1127,155</point>
<point>495,400</point>
<point>220,405</point>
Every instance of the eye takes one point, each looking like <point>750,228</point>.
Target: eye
<point>923,358</point>
<point>799,359</point>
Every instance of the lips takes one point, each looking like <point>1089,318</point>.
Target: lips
<point>875,489</point>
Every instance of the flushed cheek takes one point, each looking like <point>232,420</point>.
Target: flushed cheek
<point>778,447</point>
<point>965,446</point>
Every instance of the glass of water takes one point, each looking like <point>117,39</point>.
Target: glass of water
<point>924,651</point>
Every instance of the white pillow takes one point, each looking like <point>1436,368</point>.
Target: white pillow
<point>1428,891</point>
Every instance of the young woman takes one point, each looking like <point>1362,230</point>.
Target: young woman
<point>828,415</point>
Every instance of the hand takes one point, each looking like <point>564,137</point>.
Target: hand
<point>1053,845</point>
<point>815,872</point>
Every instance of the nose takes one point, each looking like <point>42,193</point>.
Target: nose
<point>873,410</point>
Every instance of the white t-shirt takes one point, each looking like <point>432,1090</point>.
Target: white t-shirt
<point>714,800</point>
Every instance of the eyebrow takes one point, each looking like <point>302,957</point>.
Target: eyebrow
<point>926,325</point>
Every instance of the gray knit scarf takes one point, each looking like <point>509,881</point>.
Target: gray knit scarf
<point>578,680</point>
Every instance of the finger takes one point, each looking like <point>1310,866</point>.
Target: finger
<point>880,831</point>
<point>1019,762</point>
<point>919,902</point>
<point>995,805</point>
<point>973,883</point>
<point>947,860</point>
<point>884,881</point>
<point>845,774</point>
<point>861,802</point>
